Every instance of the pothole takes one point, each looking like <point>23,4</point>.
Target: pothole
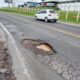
<point>39,47</point>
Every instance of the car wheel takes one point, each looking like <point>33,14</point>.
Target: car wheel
<point>55,20</point>
<point>46,19</point>
<point>36,18</point>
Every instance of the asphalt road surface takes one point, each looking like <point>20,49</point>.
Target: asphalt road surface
<point>63,37</point>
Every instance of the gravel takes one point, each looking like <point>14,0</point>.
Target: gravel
<point>6,72</point>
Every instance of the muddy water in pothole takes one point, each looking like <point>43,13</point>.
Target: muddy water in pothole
<point>39,47</point>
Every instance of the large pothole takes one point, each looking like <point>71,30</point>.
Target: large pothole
<point>39,47</point>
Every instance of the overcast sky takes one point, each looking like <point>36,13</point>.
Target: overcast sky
<point>2,3</point>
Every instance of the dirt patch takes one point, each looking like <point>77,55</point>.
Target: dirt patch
<point>6,66</point>
<point>38,46</point>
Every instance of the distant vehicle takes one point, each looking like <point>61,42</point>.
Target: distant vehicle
<point>33,4</point>
<point>47,15</point>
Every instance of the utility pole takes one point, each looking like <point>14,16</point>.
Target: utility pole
<point>67,11</point>
<point>13,3</point>
<point>8,1</point>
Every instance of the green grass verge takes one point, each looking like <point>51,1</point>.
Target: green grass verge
<point>72,16</point>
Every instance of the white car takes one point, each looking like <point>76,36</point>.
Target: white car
<point>47,15</point>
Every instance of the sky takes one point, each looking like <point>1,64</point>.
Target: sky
<point>3,4</point>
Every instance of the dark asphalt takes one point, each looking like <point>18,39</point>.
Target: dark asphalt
<point>66,45</point>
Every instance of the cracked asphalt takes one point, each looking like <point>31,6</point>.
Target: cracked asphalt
<point>64,38</point>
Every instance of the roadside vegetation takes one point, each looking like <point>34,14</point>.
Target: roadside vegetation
<point>71,16</point>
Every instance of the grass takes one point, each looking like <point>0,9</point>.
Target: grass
<point>72,16</point>
<point>26,11</point>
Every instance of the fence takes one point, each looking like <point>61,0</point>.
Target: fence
<point>70,16</point>
<point>70,12</point>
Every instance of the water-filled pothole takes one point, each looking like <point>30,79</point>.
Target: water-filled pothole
<point>38,46</point>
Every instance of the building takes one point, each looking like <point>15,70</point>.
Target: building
<point>69,5</point>
<point>54,2</point>
<point>49,4</point>
<point>65,5</point>
<point>32,4</point>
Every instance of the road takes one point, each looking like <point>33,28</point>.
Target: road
<point>63,37</point>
